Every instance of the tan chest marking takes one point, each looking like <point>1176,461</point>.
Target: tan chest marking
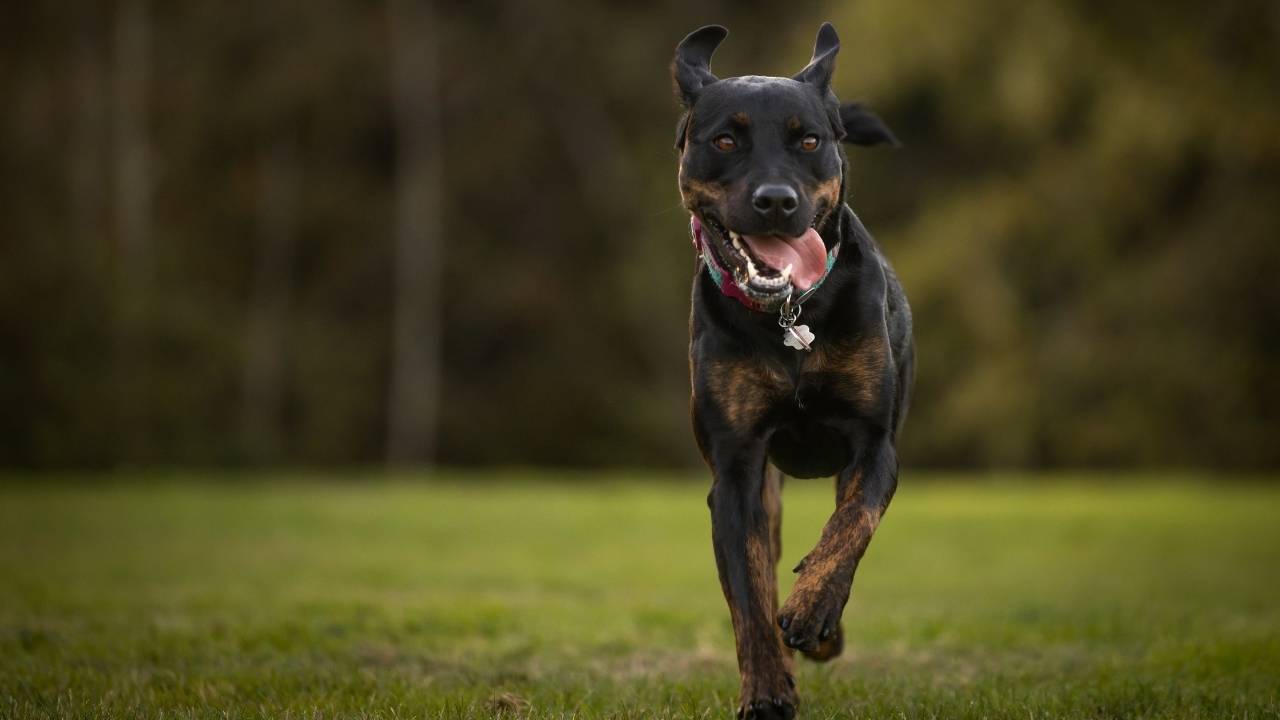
<point>745,389</point>
<point>853,371</point>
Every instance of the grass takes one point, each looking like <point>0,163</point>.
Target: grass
<point>473,596</point>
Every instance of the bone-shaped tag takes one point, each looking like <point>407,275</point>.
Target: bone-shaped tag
<point>798,337</point>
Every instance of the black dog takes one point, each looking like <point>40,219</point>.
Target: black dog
<point>762,173</point>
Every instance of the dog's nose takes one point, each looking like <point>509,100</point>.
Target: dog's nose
<point>775,200</point>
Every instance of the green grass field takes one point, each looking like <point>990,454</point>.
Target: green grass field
<point>477,596</point>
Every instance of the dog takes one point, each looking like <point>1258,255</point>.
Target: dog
<point>800,348</point>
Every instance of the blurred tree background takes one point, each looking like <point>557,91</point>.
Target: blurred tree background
<point>348,232</point>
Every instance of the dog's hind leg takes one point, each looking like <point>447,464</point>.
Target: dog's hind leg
<point>810,619</point>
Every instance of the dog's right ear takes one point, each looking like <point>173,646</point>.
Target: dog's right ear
<point>691,69</point>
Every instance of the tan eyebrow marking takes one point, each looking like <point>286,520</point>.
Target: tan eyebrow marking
<point>740,119</point>
<point>793,123</point>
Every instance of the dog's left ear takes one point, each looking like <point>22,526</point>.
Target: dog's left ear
<point>863,127</point>
<point>691,68</point>
<point>823,65</point>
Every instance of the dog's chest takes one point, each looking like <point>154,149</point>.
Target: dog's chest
<point>832,383</point>
<point>845,376</point>
<point>841,380</point>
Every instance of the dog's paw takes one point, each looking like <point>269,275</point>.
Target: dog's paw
<point>810,620</point>
<point>767,710</point>
<point>771,697</point>
<point>829,648</point>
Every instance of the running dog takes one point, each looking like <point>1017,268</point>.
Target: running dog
<point>800,346</point>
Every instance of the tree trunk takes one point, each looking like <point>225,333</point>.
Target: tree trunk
<point>133,219</point>
<point>412,404</point>
<point>261,422</point>
<point>86,157</point>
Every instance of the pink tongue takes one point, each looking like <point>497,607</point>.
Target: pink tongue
<point>806,255</point>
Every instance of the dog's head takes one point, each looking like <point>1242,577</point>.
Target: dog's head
<point>761,166</point>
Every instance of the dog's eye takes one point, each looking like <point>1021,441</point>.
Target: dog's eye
<point>725,143</point>
<point>809,143</point>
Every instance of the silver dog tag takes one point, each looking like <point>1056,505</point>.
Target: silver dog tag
<point>797,337</point>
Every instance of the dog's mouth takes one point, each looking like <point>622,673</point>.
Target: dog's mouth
<point>765,267</point>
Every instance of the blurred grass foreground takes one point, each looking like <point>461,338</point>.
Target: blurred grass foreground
<point>541,598</point>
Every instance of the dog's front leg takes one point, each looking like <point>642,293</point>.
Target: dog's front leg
<point>742,537</point>
<point>810,619</point>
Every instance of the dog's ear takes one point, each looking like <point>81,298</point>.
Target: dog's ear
<point>863,127</point>
<point>691,69</point>
<point>823,65</point>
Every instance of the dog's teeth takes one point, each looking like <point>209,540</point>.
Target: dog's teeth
<point>786,271</point>
<point>770,283</point>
